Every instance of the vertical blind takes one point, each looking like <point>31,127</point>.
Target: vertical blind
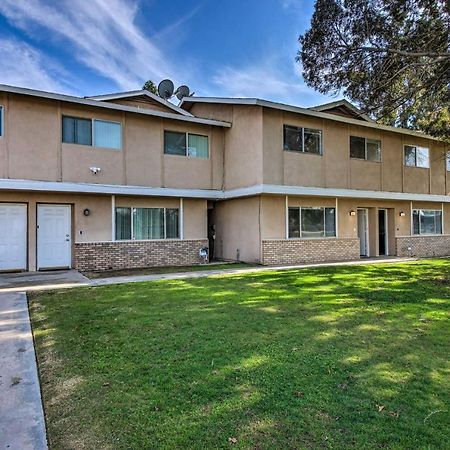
<point>107,134</point>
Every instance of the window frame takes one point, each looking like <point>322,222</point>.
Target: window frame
<point>420,226</point>
<point>320,132</point>
<point>132,209</point>
<point>2,120</point>
<point>186,153</point>
<point>299,210</point>
<point>92,120</point>
<point>415,156</point>
<point>365,149</point>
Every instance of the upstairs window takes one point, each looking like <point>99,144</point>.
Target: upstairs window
<point>99,133</point>
<point>426,221</point>
<point>1,120</point>
<point>304,140</point>
<point>416,156</point>
<point>147,223</point>
<point>447,160</point>
<point>77,131</point>
<point>363,148</point>
<point>186,144</point>
<point>107,134</point>
<point>312,222</point>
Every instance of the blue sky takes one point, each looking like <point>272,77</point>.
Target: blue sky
<point>218,48</point>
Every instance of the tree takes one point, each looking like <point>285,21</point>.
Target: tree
<point>151,87</point>
<point>390,57</point>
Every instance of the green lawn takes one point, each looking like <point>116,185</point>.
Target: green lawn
<point>338,357</point>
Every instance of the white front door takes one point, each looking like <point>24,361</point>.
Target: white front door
<point>13,237</point>
<point>54,236</point>
<point>363,232</point>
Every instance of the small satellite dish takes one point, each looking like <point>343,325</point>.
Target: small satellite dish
<point>182,91</point>
<point>165,89</point>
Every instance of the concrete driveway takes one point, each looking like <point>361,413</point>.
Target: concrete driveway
<point>31,281</point>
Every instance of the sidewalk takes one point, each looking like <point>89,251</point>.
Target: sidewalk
<point>22,425</point>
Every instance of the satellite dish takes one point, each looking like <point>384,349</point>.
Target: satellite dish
<point>165,89</point>
<point>182,91</point>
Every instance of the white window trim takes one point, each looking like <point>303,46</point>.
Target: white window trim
<point>300,222</point>
<point>186,154</point>
<point>93,119</point>
<point>165,238</point>
<point>415,156</point>
<point>303,140</point>
<point>365,149</point>
<point>426,234</point>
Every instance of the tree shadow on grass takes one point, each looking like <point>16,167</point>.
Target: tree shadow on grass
<point>348,357</point>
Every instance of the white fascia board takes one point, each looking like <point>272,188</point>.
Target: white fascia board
<point>212,194</point>
<point>111,106</point>
<point>143,92</point>
<point>306,112</point>
<point>105,189</point>
<point>331,192</point>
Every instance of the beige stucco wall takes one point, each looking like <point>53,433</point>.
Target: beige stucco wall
<point>237,229</point>
<point>32,148</point>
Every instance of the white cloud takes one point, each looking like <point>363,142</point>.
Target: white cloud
<point>22,65</point>
<point>103,34</point>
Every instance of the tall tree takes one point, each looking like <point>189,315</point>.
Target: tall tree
<point>390,57</point>
<point>150,86</point>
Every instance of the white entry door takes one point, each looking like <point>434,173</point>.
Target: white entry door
<point>13,237</point>
<point>363,232</point>
<point>54,236</point>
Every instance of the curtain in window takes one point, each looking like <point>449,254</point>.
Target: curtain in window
<point>422,157</point>
<point>172,224</point>
<point>107,134</point>
<point>198,146</point>
<point>148,223</point>
<point>123,223</point>
<point>373,150</point>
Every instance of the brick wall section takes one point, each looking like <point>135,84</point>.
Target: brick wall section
<point>423,246</point>
<point>299,251</point>
<point>100,256</point>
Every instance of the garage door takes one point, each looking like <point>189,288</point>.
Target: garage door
<point>13,236</point>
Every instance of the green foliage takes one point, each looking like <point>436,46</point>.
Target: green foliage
<point>345,357</point>
<point>151,87</point>
<point>390,57</point>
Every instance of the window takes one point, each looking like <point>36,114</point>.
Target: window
<point>311,222</point>
<point>147,223</point>
<point>107,134</point>
<point>186,144</point>
<point>447,159</point>
<point>416,156</point>
<point>305,140</point>
<point>1,120</point>
<point>426,221</point>
<point>363,148</point>
<point>77,131</point>
<point>100,133</point>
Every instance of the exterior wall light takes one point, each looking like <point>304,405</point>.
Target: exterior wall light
<point>402,214</point>
<point>87,212</point>
<point>352,212</point>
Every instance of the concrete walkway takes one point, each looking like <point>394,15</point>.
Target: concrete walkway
<point>22,425</point>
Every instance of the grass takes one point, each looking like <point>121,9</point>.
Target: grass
<point>161,270</point>
<point>352,357</point>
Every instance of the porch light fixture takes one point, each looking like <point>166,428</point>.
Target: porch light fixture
<point>87,212</point>
<point>352,212</point>
<point>402,214</point>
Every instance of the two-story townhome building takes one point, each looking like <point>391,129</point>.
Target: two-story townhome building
<point>130,180</point>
